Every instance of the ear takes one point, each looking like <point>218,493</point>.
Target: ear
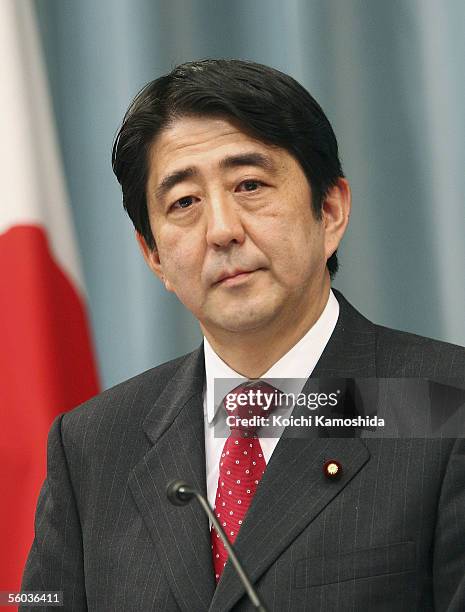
<point>152,259</point>
<point>335,214</point>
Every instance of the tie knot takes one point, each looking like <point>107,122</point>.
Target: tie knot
<point>249,405</point>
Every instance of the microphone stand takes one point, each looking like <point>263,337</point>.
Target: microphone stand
<point>180,493</point>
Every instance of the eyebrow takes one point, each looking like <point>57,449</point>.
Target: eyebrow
<point>231,161</point>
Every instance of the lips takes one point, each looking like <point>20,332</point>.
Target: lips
<point>231,274</point>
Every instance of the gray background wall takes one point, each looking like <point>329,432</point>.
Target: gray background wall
<point>391,77</point>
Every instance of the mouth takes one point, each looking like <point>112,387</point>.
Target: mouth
<point>235,277</point>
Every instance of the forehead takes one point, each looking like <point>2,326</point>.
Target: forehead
<point>203,142</point>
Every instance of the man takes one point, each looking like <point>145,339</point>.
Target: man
<point>230,173</point>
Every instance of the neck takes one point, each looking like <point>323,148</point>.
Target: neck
<point>252,353</point>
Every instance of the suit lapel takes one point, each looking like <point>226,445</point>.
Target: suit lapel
<point>294,490</point>
<point>175,425</point>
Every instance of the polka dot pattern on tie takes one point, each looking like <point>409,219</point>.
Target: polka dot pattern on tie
<point>239,486</point>
<point>242,465</point>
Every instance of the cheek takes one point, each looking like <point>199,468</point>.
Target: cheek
<point>296,253</point>
<point>180,256</point>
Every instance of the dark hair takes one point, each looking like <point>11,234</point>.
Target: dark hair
<point>266,103</point>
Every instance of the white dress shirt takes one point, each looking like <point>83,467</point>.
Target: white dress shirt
<point>298,362</point>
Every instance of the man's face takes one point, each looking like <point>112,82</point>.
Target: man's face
<point>236,237</point>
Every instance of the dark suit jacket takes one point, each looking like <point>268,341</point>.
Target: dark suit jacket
<point>389,535</point>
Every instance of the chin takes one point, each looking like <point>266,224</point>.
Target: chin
<point>243,321</point>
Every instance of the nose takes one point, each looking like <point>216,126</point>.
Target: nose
<point>224,223</point>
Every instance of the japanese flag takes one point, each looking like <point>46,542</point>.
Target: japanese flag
<point>46,359</point>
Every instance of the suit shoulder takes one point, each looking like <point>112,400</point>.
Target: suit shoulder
<point>405,354</point>
<point>135,394</point>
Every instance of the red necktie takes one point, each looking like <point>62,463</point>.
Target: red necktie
<point>241,467</point>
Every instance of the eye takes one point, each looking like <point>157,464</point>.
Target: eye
<point>250,185</point>
<point>183,203</point>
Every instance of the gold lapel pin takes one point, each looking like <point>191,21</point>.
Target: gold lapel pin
<point>332,469</point>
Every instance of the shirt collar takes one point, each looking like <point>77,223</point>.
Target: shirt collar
<point>298,362</point>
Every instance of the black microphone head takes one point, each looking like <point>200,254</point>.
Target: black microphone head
<point>179,492</point>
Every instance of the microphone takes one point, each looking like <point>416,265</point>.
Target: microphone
<point>180,493</point>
